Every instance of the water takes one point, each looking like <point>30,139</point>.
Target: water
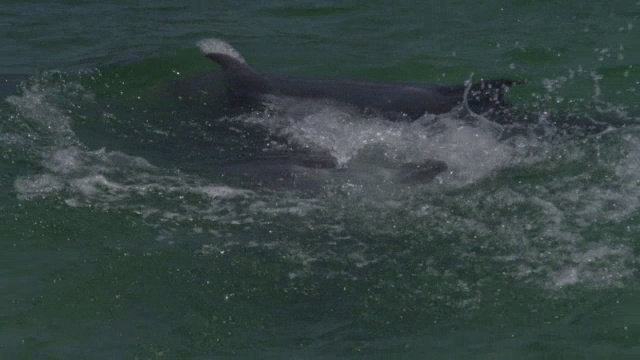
<point>141,219</point>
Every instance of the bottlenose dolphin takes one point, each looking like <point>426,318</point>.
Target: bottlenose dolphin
<point>409,100</point>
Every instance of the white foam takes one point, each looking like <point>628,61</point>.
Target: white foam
<point>64,161</point>
<point>602,266</point>
<point>217,46</point>
<point>46,122</point>
<point>29,187</point>
<point>223,192</point>
<point>471,150</point>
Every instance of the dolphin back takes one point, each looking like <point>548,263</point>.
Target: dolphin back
<point>411,100</point>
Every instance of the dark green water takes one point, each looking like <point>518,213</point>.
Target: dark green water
<point>141,219</point>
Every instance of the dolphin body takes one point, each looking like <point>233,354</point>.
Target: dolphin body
<point>408,100</point>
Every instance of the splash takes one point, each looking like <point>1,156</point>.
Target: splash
<point>535,211</point>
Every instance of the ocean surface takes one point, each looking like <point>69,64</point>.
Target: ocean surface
<point>142,218</point>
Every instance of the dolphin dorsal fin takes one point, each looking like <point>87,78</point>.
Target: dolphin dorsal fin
<point>240,78</point>
<point>224,55</point>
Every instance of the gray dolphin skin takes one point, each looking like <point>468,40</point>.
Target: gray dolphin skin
<point>409,100</point>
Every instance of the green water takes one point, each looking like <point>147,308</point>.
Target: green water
<point>141,219</point>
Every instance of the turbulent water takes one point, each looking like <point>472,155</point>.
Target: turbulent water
<point>142,217</point>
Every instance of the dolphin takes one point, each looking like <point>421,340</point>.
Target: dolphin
<point>408,100</point>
